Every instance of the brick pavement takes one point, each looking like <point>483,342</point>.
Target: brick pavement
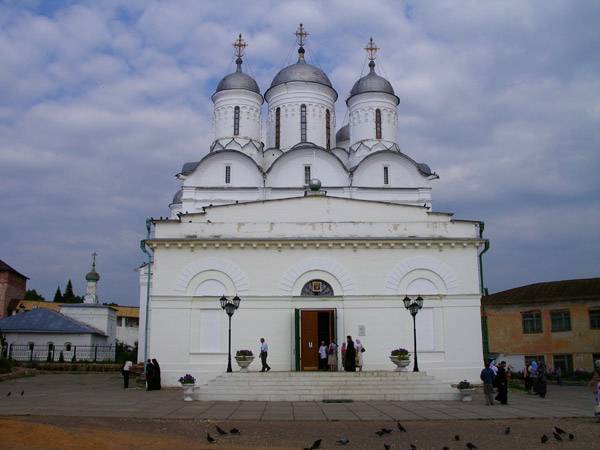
<point>102,395</point>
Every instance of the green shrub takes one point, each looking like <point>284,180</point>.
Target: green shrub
<point>6,365</point>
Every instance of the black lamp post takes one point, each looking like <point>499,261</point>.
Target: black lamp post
<point>414,307</point>
<point>230,306</point>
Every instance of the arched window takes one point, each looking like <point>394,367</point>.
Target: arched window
<point>327,129</point>
<point>317,288</point>
<point>377,124</point>
<point>302,123</point>
<point>67,346</point>
<point>277,127</point>
<point>236,121</point>
<point>386,175</point>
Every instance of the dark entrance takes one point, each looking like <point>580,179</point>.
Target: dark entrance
<point>312,327</point>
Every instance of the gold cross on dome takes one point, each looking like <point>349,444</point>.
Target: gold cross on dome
<point>94,259</point>
<point>301,35</point>
<point>239,46</point>
<point>371,49</point>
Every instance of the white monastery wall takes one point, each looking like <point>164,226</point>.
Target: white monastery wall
<point>103,318</point>
<point>244,171</point>
<point>289,169</point>
<point>401,172</point>
<point>250,119</point>
<point>361,110</point>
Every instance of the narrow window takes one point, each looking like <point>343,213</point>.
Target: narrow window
<point>306,175</point>
<point>236,121</point>
<point>386,175</point>
<point>377,124</point>
<point>327,129</point>
<point>277,127</point>
<point>227,174</point>
<point>595,319</point>
<point>302,123</point>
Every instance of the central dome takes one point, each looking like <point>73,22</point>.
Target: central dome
<point>301,71</point>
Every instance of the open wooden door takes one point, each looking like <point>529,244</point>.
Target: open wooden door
<point>309,337</point>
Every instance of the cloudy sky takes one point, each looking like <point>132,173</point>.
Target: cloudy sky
<point>101,103</point>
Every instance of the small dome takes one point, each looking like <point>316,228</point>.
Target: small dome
<point>238,80</point>
<point>92,275</point>
<point>372,83</point>
<point>343,134</point>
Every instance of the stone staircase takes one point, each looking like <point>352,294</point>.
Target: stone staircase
<point>311,386</point>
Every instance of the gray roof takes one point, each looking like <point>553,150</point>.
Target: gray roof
<point>343,134</point>
<point>43,320</point>
<point>177,196</point>
<point>6,268</point>
<point>372,83</point>
<point>238,80</point>
<point>301,71</point>
<point>189,167</point>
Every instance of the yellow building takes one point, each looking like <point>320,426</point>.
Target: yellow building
<point>556,322</point>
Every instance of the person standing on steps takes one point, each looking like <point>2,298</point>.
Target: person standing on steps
<point>264,351</point>
<point>350,360</point>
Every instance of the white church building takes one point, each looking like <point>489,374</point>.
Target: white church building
<point>321,235</point>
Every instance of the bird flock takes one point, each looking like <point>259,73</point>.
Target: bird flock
<point>557,433</point>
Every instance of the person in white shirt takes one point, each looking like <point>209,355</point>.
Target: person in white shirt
<point>264,351</point>
<point>323,356</point>
<point>125,371</point>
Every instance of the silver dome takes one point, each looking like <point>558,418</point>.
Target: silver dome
<point>372,83</point>
<point>238,80</point>
<point>301,71</point>
<point>343,134</point>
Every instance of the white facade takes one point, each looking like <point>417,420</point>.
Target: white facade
<point>249,104</point>
<point>369,234</point>
<point>103,318</point>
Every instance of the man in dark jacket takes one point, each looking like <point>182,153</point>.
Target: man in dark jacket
<point>487,376</point>
<point>502,383</point>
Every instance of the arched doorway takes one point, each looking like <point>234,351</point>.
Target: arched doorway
<point>314,326</point>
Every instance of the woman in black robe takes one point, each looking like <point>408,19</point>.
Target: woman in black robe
<point>541,382</point>
<point>501,382</point>
<point>350,361</point>
<point>156,377</point>
<point>149,375</point>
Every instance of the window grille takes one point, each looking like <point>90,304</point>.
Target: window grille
<point>317,288</point>
<point>302,123</point>
<point>532,322</point>
<point>560,320</point>
<point>377,124</point>
<point>277,128</point>
<point>327,129</point>
<point>386,175</point>
<point>236,121</point>
<point>227,174</point>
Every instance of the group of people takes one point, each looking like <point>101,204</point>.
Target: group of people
<point>495,376</point>
<point>152,375</point>
<point>536,377</point>
<point>352,355</point>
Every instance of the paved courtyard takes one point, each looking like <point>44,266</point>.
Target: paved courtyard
<point>102,395</point>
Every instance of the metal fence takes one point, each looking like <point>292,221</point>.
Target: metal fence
<point>70,353</point>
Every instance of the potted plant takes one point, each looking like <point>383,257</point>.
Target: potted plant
<point>401,358</point>
<point>466,389</point>
<point>187,381</point>
<point>244,358</point>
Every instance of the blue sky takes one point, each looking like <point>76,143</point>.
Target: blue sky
<point>102,102</point>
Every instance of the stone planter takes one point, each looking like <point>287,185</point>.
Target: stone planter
<point>466,394</point>
<point>188,391</point>
<point>401,364</point>
<point>244,362</point>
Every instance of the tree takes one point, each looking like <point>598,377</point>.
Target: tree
<point>58,297</point>
<point>31,294</point>
<point>69,295</point>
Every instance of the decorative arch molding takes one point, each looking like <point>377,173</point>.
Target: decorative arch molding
<point>228,268</point>
<point>340,276</point>
<point>439,271</point>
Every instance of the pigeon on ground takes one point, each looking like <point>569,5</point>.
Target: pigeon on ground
<point>401,428</point>
<point>544,439</point>
<point>456,437</point>
<point>507,431</point>
<point>560,430</point>
<point>8,395</point>
<point>386,430</point>
<point>571,436</point>
<point>413,447</point>
<point>446,448</point>
<point>386,447</point>
<point>471,446</point>
<point>22,392</point>
<point>557,436</point>
<point>380,433</point>
<point>220,430</point>
<point>234,431</point>
<point>210,439</point>
<point>316,444</point>
<point>343,441</point>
